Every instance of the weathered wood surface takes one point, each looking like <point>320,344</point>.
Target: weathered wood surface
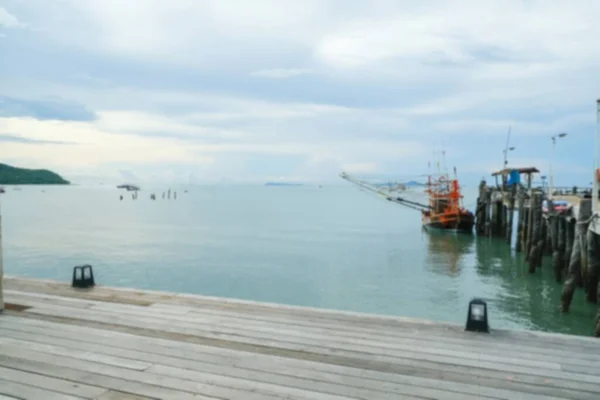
<point>108,343</point>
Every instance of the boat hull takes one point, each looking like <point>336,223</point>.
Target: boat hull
<point>462,223</point>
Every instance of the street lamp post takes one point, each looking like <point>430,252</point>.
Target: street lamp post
<point>551,180</point>
<point>505,151</point>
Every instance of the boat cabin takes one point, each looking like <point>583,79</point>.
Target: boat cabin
<point>510,176</point>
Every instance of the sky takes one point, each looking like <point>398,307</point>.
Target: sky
<point>195,91</point>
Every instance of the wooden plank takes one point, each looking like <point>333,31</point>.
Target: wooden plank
<point>118,384</point>
<point>565,358</point>
<point>22,391</point>
<point>83,355</point>
<point>205,301</point>
<point>499,335</point>
<point>185,351</point>
<point>206,389</point>
<point>52,384</point>
<point>347,391</point>
<point>581,366</point>
<point>32,299</point>
<point>475,374</point>
<point>232,327</point>
<point>131,321</point>
<point>322,344</point>
<point>347,336</point>
<point>530,337</point>
<point>308,376</point>
<point>313,345</point>
<point>135,350</point>
<point>114,395</point>
<point>449,343</point>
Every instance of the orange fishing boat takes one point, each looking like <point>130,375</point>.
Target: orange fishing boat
<point>445,210</point>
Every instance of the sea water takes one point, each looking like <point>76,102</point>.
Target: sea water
<point>334,246</point>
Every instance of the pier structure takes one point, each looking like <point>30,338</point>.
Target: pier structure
<point>58,342</point>
<point>555,223</point>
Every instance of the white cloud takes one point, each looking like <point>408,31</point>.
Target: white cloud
<point>280,73</point>
<point>380,83</point>
<point>92,146</point>
<point>8,20</point>
<point>460,32</point>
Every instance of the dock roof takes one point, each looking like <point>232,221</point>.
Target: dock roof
<point>525,170</point>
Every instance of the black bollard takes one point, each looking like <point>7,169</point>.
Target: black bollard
<point>477,318</point>
<point>81,279</point>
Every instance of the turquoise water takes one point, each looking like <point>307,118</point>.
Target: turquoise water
<point>333,247</point>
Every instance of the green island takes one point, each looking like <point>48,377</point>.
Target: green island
<point>10,175</point>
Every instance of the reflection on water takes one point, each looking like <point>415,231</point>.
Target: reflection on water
<point>446,251</point>
<point>526,300</point>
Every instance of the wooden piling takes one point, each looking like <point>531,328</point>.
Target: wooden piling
<point>578,260</point>
<point>530,222</point>
<point>528,225</point>
<point>520,222</point>
<point>524,230</point>
<point>570,224</point>
<point>480,214</point>
<point>496,218</point>
<point>558,257</point>
<point>488,213</point>
<point>542,237</point>
<point>593,275</point>
<point>480,211</point>
<point>535,241</point>
<point>562,240</point>
<point>548,249</point>
<point>502,219</point>
<point>511,214</point>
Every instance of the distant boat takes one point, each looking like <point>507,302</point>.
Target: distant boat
<point>2,189</point>
<point>128,187</point>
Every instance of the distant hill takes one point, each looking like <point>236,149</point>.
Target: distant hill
<point>407,184</point>
<point>414,183</point>
<point>10,175</point>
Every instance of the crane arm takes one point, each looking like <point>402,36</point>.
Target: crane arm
<point>366,185</point>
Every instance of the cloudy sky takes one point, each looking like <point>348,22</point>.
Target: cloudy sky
<point>205,90</point>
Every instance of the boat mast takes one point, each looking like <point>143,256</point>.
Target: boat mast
<point>506,148</point>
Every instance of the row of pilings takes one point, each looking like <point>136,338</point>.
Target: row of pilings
<point>561,235</point>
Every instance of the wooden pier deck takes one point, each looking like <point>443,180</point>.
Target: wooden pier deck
<point>106,343</point>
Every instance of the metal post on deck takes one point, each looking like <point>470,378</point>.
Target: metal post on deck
<point>551,180</point>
